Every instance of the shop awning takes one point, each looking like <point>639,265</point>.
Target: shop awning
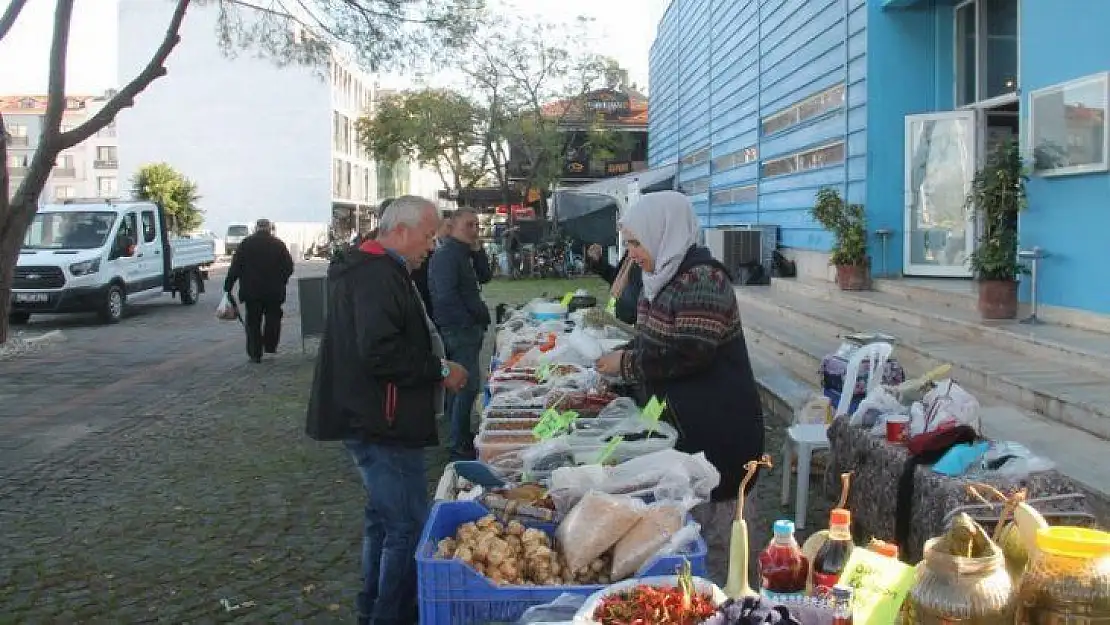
<point>589,213</point>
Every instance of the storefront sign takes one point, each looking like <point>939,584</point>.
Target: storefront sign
<point>618,168</point>
<point>609,102</point>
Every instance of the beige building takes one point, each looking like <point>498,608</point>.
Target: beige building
<point>87,170</point>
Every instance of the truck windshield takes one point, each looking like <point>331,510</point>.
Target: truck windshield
<point>237,231</point>
<point>77,230</point>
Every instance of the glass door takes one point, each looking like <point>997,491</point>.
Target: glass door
<point>941,156</point>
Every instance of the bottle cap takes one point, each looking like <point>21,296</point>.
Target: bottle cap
<point>840,516</point>
<point>884,548</point>
<point>843,593</point>
<point>783,526</point>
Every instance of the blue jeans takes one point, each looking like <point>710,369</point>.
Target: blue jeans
<point>464,346</point>
<point>396,509</point>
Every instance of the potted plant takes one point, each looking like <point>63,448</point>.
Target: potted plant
<point>998,194</point>
<point>849,229</point>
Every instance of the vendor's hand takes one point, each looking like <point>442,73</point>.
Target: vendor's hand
<point>457,377</point>
<point>610,364</point>
<point>594,252</point>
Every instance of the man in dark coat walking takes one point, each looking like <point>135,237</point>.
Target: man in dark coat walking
<point>262,267</point>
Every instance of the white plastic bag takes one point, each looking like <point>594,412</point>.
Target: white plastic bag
<point>879,401</point>
<point>227,310</point>
<point>585,615</point>
<point>656,529</point>
<point>594,525</point>
<point>665,476</point>
<point>949,405</point>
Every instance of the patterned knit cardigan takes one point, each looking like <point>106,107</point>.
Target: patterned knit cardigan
<point>681,330</point>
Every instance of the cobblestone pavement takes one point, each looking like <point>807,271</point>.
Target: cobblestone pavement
<point>150,474</point>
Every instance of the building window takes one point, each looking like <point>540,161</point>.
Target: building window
<point>18,133</point>
<point>64,192</point>
<point>106,153</point>
<point>16,161</point>
<point>824,156</point>
<point>813,106</point>
<point>107,187</point>
<point>986,50</point>
<point>107,131</point>
<point>695,186</point>
<point>1070,126</point>
<point>735,195</point>
<point>749,154</point>
<point>696,158</point>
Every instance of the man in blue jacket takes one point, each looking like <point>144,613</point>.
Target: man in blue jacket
<point>455,272</point>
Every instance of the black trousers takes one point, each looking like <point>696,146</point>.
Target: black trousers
<point>263,323</point>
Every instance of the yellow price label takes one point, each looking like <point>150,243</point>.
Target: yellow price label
<point>567,298</point>
<point>609,449</point>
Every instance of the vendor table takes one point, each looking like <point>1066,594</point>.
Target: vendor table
<point>877,467</point>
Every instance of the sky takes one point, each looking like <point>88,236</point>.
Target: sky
<point>625,30</point>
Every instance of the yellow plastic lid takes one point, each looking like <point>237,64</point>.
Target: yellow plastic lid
<point>1075,542</point>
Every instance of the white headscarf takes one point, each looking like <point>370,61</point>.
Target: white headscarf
<point>666,225</point>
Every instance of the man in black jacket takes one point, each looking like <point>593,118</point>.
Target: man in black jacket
<point>378,387</point>
<point>262,267</point>
<point>454,274</point>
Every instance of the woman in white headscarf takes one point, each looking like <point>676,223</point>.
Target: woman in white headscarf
<point>690,352</point>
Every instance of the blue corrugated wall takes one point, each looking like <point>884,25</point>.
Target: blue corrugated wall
<point>720,66</point>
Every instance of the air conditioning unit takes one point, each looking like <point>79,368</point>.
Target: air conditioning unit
<point>743,248</point>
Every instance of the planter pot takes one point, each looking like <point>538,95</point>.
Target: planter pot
<point>853,277</point>
<point>998,299</point>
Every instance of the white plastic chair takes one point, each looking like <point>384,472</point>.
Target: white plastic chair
<point>802,440</point>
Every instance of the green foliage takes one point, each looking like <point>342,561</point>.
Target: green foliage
<point>998,194</point>
<point>383,34</point>
<point>176,194</point>
<point>847,224</point>
<point>437,128</point>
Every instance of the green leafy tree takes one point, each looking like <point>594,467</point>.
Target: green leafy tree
<point>176,194</point>
<point>532,78</point>
<point>435,128</point>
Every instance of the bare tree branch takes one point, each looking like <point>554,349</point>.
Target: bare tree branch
<point>5,182</point>
<point>154,70</point>
<point>7,20</point>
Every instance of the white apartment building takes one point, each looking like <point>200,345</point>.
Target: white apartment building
<point>87,170</point>
<point>258,139</point>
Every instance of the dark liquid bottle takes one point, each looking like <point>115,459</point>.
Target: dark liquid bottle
<point>842,605</point>
<point>782,567</point>
<point>833,556</point>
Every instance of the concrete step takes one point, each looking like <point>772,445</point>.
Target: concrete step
<point>1074,396</point>
<point>1070,347</point>
<point>786,361</point>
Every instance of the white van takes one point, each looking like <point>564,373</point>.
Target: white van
<point>102,256</point>
<point>235,235</point>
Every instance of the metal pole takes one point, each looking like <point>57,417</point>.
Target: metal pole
<point>884,234</point>
<point>1034,257</point>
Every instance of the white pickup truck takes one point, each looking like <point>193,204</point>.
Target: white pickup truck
<point>102,256</point>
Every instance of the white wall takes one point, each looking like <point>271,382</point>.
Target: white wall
<point>256,138</point>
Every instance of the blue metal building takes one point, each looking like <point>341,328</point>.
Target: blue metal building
<point>895,102</point>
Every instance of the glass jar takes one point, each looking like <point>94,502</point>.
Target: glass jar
<point>1068,579</point>
<point>970,591</point>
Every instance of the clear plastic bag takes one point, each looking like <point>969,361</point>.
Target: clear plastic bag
<point>561,610</point>
<point>529,397</point>
<point>657,527</point>
<point>664,476</point>
<point>226,310</point>
<point>594,525</point>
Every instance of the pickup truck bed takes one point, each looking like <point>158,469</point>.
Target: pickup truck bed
<point>191,253</point>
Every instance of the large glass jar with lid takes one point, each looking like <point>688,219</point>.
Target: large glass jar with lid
<point>1068,579</point>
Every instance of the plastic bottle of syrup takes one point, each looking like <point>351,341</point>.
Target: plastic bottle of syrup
<point>782,567</point>
<point>831,559</point>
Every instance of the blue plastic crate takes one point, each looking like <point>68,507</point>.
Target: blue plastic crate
<point>453,593</point>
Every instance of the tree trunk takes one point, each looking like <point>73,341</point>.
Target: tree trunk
<point>14,219</point>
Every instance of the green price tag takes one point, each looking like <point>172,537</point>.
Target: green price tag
<point>611,307</point>
<point>609,449</point>
<point>543,373</point>
<point>551,423</point>
<point>567,419</point>
<point>567,298</point>
<point>653,411</point>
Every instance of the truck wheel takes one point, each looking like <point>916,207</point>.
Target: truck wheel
<point>19,318</point>
<point>114,301</point>
<point>190,290</point>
